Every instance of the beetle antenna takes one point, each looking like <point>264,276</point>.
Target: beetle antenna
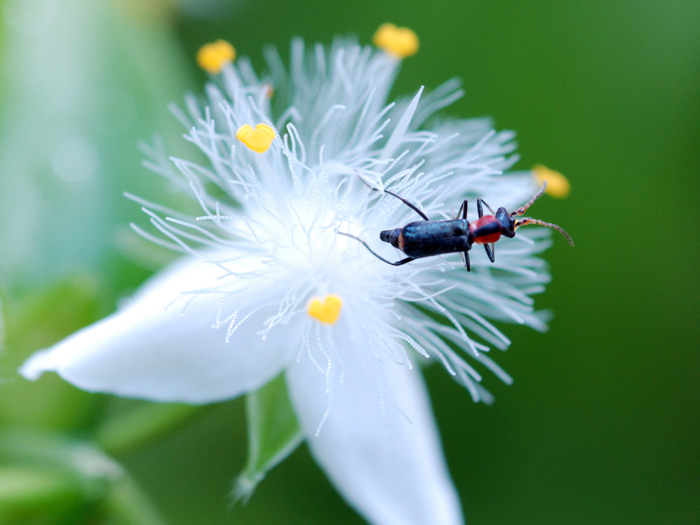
<point>524,207</point>
<point>526,220</point>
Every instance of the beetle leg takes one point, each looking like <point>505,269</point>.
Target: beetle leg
<point>402,261</point>
<point>490,251</point>
<point>410,205</point>
<point>462,210</point>
<point>397,263</point>
<point>466,259</point>
<point>481,201</point>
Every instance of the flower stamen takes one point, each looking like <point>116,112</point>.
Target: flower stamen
<point>327,310</point>
<point>258,139</point>
<point>214,56</point>
<point>401,42</point>
<point>558,185</point>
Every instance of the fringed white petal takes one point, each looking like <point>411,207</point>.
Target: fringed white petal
<point>162,350</point>
<point>373,433</point>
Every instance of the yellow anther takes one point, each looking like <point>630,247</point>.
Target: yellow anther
<point>399,41</point>
<point>557,185</point>
<point>327,310</point>
<point>213,57</point>
<point>258,139</point>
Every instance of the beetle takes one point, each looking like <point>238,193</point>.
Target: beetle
<point>426,238</point>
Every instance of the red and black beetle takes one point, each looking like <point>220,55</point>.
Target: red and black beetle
<point>427,238</point>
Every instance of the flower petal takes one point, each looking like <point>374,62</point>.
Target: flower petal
<point>378,444</point>
<point>153,351</point>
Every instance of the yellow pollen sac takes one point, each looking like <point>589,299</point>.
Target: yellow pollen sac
<point>212,57</point>
<point>327,310</point>
<point>399,41</point>
<point>258,139</point>
<point>557,185</point>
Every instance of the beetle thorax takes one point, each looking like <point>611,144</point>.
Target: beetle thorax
<point>485,230</point>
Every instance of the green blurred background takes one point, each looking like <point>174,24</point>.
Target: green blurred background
<point>601,424</point>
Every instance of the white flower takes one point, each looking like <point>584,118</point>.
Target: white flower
<point>239,307</point>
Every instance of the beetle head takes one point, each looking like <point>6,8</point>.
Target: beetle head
<point>506,221</point>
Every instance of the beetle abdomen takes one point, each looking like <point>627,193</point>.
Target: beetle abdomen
<point>426,238</point>
<point>393,237</point>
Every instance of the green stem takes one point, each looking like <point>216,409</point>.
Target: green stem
<point>126,504</point>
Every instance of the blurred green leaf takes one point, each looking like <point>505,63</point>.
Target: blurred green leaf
<point>33,322</point>
<point>25,490</point>
<point>42,474</point>
<point>49,473</point>
<point>273,434</point>
<point>83,82</point>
